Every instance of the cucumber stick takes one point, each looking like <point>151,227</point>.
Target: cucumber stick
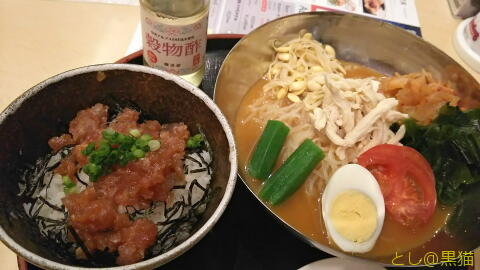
<point>291,175</point>
<point>267,150</point>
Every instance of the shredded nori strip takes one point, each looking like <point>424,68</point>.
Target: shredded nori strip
<point>208,165</point>
<point>54,207</point>
<point>199,170</point>
<point>77,174</point>
<point>80,242</point>
<point>193,159</point>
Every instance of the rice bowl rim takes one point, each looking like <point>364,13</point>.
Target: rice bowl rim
<point>192,239</point>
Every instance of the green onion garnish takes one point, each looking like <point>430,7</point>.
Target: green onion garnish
<point>67,181</point>
<point>138,153</point>
<point>135,132</point>
<point>195,141</point>
<point>68,185</point>
<point>116,148</point>
<point>154,145</point>
<point>89,149</point>
<point>108,133</point>
<point>145,137</point>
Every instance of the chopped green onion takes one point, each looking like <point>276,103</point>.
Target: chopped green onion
<point>133,148</point>
<point>109,131</point>
<point>195,141</point>
<point>128,140</point>
<point>138,153</point>
<point>129,157</point>
<point>70,190</point>
<point>146,137</point>
<point>124,160</point>
<point>93,170</point>
<point>125,142</point>
<point>112,158</point>
<point>135,132</point>
<point>104,149</point>
<point>108,134</point>
<point>95,157</point>
<point>89,149</point>
<point>116,148</point>
<point>121,139</point>
<point>154,145</point>
<point>141,143</point>
<point>68,185</point>
<point>67,181</point>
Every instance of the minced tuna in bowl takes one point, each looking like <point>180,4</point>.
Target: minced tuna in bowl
<point>126,188</point>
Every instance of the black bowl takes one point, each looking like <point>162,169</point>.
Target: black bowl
<point>45,110</point>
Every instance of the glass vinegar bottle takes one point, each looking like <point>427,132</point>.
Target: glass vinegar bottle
<point>174,34</point>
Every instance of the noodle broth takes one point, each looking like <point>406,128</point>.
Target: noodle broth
<point>303,211</point>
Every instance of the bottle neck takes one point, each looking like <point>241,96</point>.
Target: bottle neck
<point>176,8</point>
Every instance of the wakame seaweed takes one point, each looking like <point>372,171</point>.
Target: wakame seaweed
<point>464,223</point>
<point>451,144</point>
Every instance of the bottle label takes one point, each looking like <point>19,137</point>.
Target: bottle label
<point>177,49</point>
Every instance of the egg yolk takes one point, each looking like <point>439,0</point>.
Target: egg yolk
<point>354,216</point>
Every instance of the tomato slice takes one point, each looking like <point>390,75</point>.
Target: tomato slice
<point>406,180</point>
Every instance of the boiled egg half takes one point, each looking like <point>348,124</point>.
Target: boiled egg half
<point>353,209</point>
